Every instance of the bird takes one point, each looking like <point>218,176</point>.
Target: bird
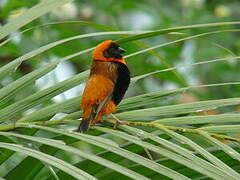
<point>107,84</point>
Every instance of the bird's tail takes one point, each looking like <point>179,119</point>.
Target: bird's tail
<point>93,118</point>
<point>84,125</point>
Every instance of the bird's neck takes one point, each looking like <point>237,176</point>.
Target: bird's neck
<point>112,60</point>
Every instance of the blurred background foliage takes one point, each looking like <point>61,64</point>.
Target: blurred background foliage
<point>136,15</point>
<point>132,15</point>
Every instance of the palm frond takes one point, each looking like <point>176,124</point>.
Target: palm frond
<point>173,141</point>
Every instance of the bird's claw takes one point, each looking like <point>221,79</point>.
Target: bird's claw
<point>119,122</point>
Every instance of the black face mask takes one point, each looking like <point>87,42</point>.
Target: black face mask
<point>114,51</point>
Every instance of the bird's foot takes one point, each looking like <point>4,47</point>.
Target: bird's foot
<point>118,122</point>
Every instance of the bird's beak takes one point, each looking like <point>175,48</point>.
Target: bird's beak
<point>121,50</point>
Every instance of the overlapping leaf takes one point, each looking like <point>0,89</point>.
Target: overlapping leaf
<point>165,144</point>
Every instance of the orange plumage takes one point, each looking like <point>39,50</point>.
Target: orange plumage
<point>108,81</point>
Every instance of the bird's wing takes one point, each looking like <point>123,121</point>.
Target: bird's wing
<point>103,103</point>
<point>96,108</point>
<point>122,83</point>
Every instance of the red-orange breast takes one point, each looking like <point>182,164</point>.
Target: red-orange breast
<point>108,81</point>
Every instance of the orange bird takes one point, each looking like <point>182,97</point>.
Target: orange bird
<point>108,81</point>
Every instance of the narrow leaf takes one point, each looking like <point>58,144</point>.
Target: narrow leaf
<point>146,99</point>
<point>168,30</point>
<point>143,114</point>
<point>83,154</point>
<point>13,88</point>
<point>218,169</point>
<point>213,119</point>
<point>182,139</point>
<point>227,149</point>
<point>223,128</point>
<point>40,9</point>
<point>120,151</point>
<point>13,65</point>
<point>60,164</point>
<point>41,96</point>
<point>67,106</point>
<point>160,150</point>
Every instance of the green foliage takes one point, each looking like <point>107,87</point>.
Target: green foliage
<point>186,132</point>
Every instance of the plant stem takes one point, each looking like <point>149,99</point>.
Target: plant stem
<point>8,127</point>
<point>185,130</point>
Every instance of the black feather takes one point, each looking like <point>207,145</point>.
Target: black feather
<point>84,126</point>
<point>85,123</point>
<point>122,83</point>
<point>113,51</point>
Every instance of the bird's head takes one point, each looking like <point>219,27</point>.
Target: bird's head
<point>108,51</point>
